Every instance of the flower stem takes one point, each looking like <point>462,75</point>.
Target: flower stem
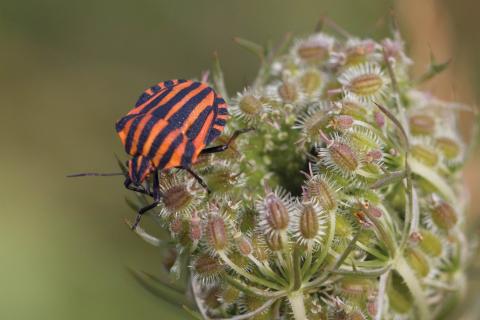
<point>298,307</point>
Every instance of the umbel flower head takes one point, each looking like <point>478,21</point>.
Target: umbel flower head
<point>346,202</point>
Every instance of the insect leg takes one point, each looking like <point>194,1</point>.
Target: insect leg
<point>198,178</point>
<point>142,211</point>
<point>229,142</point>
<point>129,186</point>
<point>157,195</point>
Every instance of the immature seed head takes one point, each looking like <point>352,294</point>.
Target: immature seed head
<point>250,105</point>
<point>449,147</point>
<point>276,212</point>
<point>311,82</point>
<point>176,198</point>
<point>288,92</point>
<point>365,81</point>
<point>319,189</point>
<point>425,154</point>
<point>422,124</point>
<point>217,233</point>
<point>309,224</point>
<point>315,49</point>
<point>343,156</point>
<point>207,268</point>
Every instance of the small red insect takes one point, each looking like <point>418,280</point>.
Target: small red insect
<point>170,126</point>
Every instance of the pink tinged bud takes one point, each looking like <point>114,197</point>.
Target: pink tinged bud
<point>375,212</point>
<point>444,216</point>
<point>309,224</point>
<point>244,245</point>
<point>343,156</point>
<point>195,228</point>
<point>374,155</point>
<point>372,307</point>
<point>276,213</point>
<point>379,119</point>
<point>217,233</point>
<point>176,226</point>
<point>342,122</point>
<point>415,237</point>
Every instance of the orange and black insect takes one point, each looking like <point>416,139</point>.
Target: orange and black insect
<point>170,126</point>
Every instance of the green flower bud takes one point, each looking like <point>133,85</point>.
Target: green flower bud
<point>422,124</point>
<point>425,155</point>
<point>418,262</point>
<point>444,216</point>
<point>250,105</point>
<point>430,243</point>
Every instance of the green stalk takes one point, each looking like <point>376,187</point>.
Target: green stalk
<point>298,307</point>
<point>413,284</point>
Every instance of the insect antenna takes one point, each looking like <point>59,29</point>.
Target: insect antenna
<point>94,174</point>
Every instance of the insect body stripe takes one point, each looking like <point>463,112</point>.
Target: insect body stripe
<point>195,128</point>
<point>171,149</point>
<point>152,102</point>
<point>173,99</point>
<point>131,132</point>
<point>156,130</point>
<point>188,154</point>
<point>145,132</point>
<point>198,102</point>
<point>134,149</point>
<point>222,111</point>
<point>120,125</point>
<point>199,141</point>
<point>162,141</point>
<point>176,159</point>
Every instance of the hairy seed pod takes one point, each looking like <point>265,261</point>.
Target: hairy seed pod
<point>250,105</point>
<point>230,294</point>
<point>276,213</point>
<point>308,224</point>
<point>312,53</point>
<point>366,84</point>
<point>288,92</point>
<point>422,124</point>
<point>211,298</point>
<point>449,147</point>
<point>343,156</point>
<point>353,109</point>
<point>355,287</point>
<point>444,216</point>
<point>176,198</point>
<point>217,233</point>
<point>319,189</point>
<point>207,267</point>
<point>311,82</point>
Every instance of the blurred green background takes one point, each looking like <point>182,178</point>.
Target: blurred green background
<point>68,70</point>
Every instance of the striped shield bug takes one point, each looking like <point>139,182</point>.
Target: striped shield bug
<point>170,126</point>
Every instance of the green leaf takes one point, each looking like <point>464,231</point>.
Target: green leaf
<point>252,47</point>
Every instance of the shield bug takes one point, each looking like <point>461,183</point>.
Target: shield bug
<point>170,126</point>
